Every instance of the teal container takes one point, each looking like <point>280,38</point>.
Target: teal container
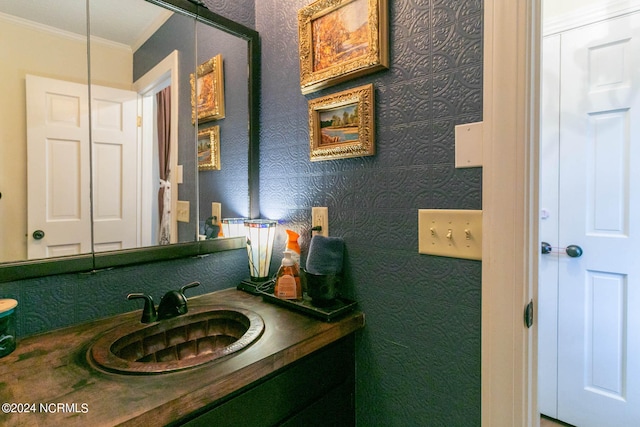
<point>7,326</point>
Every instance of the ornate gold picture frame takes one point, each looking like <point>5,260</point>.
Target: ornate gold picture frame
<point>207,91</point>
<point>342,125</point>
<point>209,149</point>
<point>340,40</point>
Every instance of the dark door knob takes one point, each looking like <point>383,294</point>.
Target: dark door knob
<point>545,248</point>
<point>38,234</point>
<point>574,251</point>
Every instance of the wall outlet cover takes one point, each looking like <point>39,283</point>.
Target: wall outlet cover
<point>320,218</point>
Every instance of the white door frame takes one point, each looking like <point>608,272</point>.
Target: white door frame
<point>510,204</point>
<point>165,69</point>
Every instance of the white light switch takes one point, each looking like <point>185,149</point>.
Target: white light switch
<point>179,174</point>
<point>450,233</point>
<point>469,145</point>
<point>216,211</point>
<point>183,211</point>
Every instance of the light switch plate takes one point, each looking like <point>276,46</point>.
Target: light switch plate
<point>216,211</point>
<point>469,145</point>
<point>180,175</point>
<point>183,211</point>
<point>450,233</point>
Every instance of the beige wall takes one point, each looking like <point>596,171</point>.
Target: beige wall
<point>553,8</point>
<point>33,51</point>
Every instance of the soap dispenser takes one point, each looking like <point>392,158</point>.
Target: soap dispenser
<point>288,279</point>
<point>293,246</point>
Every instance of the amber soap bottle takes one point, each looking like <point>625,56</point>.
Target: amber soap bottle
<point>288,279</point>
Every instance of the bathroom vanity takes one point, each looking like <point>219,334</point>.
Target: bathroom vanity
<point>299,372</point>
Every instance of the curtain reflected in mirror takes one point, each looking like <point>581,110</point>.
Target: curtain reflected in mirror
<point>163,100</point>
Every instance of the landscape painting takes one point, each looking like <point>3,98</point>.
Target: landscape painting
<point>340,40</point>
<point>340,35</point>
<point>342,125</point>
<point>207,91</point>
<point>339,125</point>
<point>209,149</point>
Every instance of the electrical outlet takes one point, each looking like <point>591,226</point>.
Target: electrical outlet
<point>450,233</point>
<point>183,211</point>
<point>216,211</point>
<point>320,218</point>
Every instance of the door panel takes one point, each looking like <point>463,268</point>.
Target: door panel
<point>598,342</point>
<point>115,168</point>
<point>548,274</point>
<point>58,172</point>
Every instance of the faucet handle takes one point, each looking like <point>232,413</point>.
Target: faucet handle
<point>189,285</point>
<point>174,303</point>
<point>149,311</point>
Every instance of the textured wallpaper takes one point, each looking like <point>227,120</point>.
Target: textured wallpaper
<point>241,11</point>
<point>57,301</point>
<point>418,358</point>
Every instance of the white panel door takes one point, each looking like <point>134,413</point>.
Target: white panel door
<point>115,168</point>
<point>548,267</point>
<point>598,342</point>
<point>58,172</point>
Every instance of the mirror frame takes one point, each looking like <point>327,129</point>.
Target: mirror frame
<point>12,271</point>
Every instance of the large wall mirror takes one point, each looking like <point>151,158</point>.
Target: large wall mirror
<point>129,131</point>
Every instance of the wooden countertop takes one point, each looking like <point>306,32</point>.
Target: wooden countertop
<point>49,370</point>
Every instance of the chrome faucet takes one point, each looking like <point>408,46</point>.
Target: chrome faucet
<point>172,304</point>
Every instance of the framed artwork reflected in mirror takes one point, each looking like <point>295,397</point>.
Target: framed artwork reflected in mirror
<point>207,91</point>
<point>209,149</point>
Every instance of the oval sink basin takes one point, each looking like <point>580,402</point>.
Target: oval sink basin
<point>202,335</point>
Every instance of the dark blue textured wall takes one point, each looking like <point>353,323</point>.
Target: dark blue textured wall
<point>57,301</point>
<point>241,11</point>
<point>418,358</point>
<point>230,184</point>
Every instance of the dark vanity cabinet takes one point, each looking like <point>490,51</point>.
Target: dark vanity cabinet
<point>317,390</point>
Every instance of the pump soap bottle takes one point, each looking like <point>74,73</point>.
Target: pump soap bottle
<point>293,246</point>
<point>288,279</point>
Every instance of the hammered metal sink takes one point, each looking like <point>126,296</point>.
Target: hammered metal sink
<point>202,335</point>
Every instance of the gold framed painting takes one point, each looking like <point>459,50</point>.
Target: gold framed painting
<point>209,149</point>
<point>207,91</point>
<point>342,125</point>
<point>340,40</point>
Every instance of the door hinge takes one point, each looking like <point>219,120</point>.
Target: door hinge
<point>528,314</point>
<point>139,121</point>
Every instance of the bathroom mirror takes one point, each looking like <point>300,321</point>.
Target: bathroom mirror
<point>171,42</point>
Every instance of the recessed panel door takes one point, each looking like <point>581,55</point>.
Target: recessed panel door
<point>58,213</point>
<point>115,168</point>
<point>598,294</point>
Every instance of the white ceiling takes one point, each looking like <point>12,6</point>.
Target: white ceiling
<point>127,22</point>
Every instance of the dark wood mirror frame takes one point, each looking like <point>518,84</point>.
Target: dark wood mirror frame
<point>12,271</point>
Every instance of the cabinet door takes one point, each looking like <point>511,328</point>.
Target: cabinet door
<point>316,390</point>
